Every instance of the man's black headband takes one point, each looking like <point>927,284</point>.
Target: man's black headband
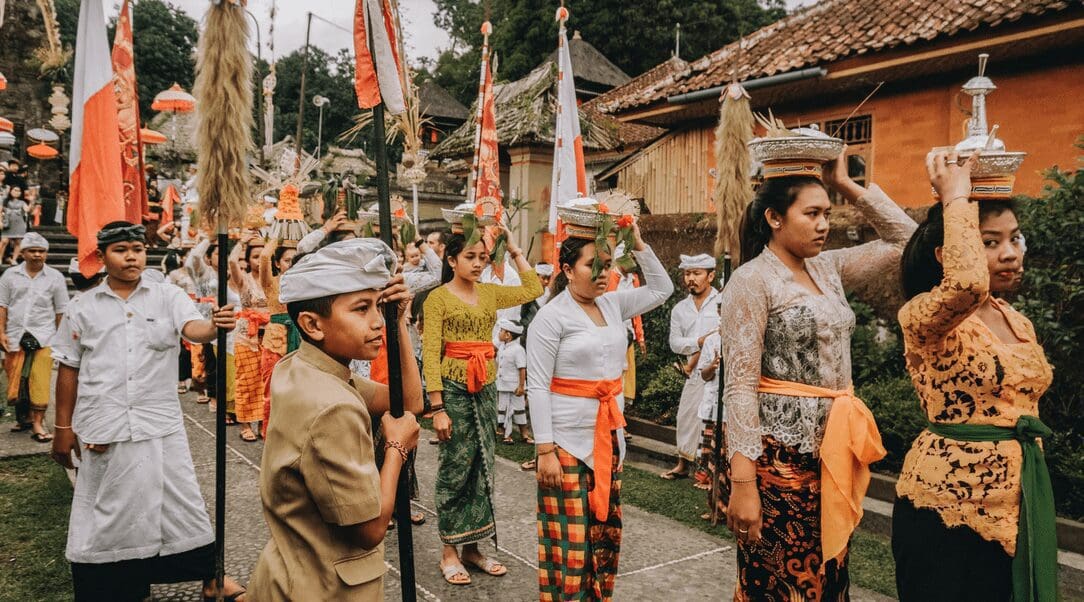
<point>131,232</point>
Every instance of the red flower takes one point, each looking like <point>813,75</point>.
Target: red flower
<point>625,221</point>
<point>603,208</point>
<point>400,212</point>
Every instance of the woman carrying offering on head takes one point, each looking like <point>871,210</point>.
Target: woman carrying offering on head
<point>576,350</point>
<point>459,368</point>
<point>798,441</point>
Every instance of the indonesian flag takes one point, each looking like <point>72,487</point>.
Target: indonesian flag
<point>377,73</point>
<point>124,85</point>
<point>569,174</point>
<point>96,190</point>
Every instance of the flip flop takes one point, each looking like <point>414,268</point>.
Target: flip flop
<point>42,437</point>
<point>455,570</point>
<point>203,399</point>
<point>417,519</point>
<point>529,465</point>
<point>251,438</point>
<point>489,566</point>
<point>702,486</point>
<point>529,441</point>
<point>508,441</point>
<point>670,475</point>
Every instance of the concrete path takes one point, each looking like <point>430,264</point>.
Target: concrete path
<point>660,559</point>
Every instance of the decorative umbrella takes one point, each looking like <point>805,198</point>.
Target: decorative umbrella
<point>150,136</point>
<point>42,135</point>
<point>3,82</point>
<point>42,151</point>
<point>7,140</point>
<point>6,125</point>
<point>174,100</point>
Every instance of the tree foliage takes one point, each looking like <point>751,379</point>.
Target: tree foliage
<point>635,34</point>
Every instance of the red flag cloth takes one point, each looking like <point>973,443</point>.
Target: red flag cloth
<point>96,190</point>
<point>170,200</point>
<point>488,183</point>
<point>124,83</point>
<point>377,71</point>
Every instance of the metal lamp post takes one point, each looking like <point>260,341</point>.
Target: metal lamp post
<point>320,102</point>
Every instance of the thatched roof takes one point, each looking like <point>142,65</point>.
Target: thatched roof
<point>435,101</point>
<point>182,141</point>
<point>341,161</point>
<point>526,114</point>
<point>590,65</point>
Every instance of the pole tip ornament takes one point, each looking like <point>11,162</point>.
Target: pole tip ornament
<point>562,14</point>
<point>487,28</point>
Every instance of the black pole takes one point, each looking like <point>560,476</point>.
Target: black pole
<point>220,418</point>
<point>395,375</point>
<point>717,434</point>
<point>301,98</point>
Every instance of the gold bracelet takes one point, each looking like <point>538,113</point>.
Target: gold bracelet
<point>57,426</point>
<point>397,447</point>
<point>741,481</point>
<point>552,450</point>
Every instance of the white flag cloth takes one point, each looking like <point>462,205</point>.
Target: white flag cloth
<point>569,176</point>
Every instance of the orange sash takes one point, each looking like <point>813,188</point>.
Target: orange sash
<point>477,354</point>
<point>608,420</point>
<point>851,443</point>
<point>378,368</point>
<point>256,320</point>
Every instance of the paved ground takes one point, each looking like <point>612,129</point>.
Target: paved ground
<point>660,558</point>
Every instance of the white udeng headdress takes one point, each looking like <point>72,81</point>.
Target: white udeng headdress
<point>347,266</point>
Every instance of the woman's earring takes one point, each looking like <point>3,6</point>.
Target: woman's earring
<point>776,225</point>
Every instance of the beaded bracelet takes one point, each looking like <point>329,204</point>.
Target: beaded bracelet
<point>397,447</point>
<point>741,481</point>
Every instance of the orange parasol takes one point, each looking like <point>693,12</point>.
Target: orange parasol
<point>42,151</point>
<point>174,100</point>
<point>6,125</point>
<point>149,136</point>
<point>3,82</point>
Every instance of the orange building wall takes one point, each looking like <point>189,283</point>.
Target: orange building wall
<point>1039,112</point>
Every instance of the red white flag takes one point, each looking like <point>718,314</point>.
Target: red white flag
<point>96,191</point>
<point>487,171</point>
<point>124,85</point>
<point>377,72</point>
<point>569,174</point>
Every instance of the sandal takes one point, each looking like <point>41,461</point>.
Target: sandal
<point>417,518</point>
<point>529,465</point>
<point>508,441</point>
<point>42,437</point>
<point>488,566</point>
<point>248,436</point>
<point>529,441</point>
<point>452,571</point>
<point>702,486</point>
<point>202,399</point>
<point>671,475</point>
<point>182,389</point>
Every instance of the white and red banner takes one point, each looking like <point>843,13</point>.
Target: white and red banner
<point>96,190</point>
<point>124,83</point>
<point>377,72</point>
<point>569,175</point>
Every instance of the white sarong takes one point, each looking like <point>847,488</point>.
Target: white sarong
<point>689,424</point>
<point>137,499</point>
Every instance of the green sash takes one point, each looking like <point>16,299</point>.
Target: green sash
<point>293,336</point>
<point>1035,566</point>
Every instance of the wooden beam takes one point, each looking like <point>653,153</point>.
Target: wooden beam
<point>958,48</point>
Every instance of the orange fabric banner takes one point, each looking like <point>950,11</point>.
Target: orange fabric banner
<point>170,200</point>
<point>377,78</point>
<point>124,82</point>
<point>607,420</point>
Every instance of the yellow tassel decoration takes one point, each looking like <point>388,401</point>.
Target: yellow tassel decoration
<point>733,187</point>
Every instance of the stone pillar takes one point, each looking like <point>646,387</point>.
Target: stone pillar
<point>529,178</point>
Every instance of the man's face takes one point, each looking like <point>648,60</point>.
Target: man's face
<point>697,280</point>
<point>434,243</point>
<point>34,258</point>
<point>124,261</point>
<point>355,327</point>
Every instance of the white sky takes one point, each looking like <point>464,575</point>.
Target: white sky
<point>422,36</point>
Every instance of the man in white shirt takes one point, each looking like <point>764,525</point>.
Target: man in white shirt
<point>33,297</point>
<point>691,320</point>
<point>137,515</point>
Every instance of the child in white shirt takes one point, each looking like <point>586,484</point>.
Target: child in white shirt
<point>511,382</point>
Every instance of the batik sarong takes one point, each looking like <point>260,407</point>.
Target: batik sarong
<point>249,395</point>
<point>786,563</point>
<point>465,476</point>
<point>577,554</point>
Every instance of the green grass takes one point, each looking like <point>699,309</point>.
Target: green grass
<point>871,563</point>
<point>35,498</point>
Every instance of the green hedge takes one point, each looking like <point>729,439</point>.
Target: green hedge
<point>1052,297</point>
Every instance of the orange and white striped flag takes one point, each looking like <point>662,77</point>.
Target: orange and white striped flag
<point>135,182</point>
<point>569,174</point>
<point>96,190</point>
<point>377,72</point>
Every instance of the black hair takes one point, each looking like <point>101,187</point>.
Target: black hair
<point>453,246</point>
<point>417,307</point>
<point>172,261</point>
<point>920,271</point>
<point>110,226</point>
<point>777,194</point>
<point>571,252</point>
<point>442,235</point>
<point>320,306</point>
<point>279,252</point>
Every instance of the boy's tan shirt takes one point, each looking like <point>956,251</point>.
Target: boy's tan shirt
<point>318,481</point>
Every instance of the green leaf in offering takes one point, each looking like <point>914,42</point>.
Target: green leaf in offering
<point>500,247</point>
<point>407,233</point>
<point>367,231</point>
<point>470,230</point>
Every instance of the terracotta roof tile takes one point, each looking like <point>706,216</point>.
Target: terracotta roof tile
<point>819,34</point>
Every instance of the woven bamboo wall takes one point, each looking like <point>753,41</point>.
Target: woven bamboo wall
<point>672,174</point>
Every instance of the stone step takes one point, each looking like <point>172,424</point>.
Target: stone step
<point>652,447</point>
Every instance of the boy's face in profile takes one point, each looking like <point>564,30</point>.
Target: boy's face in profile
<point>124,261</point>
<point>355,326</point>
<point>504,336</point>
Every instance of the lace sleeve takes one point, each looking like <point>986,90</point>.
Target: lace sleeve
<point>930,316</point>
<point>745,306</point>
<point>873,259</point>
